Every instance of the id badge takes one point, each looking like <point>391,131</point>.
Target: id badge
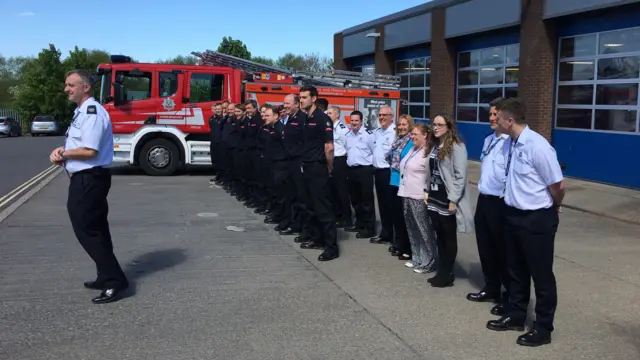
<point>434,187</point>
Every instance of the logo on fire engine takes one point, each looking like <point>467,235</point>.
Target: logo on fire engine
<point>168,104</point>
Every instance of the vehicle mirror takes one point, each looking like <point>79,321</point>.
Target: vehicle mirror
<point>120,94</point>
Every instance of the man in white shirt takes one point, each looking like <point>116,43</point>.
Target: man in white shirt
<point>339,182</point>
<point>384,137</point>
<point>489,217</point>
<point>534,191</point>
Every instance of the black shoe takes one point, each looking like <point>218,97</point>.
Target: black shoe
<point>93,285</point>
<point>505,323</point>
<point>363,234</point>
<point>535,337</point>
<point>261,211</point>
<point>289,231</point>
<point>270,221</point>
<point>301,239</point>
<point>352,229</point>
<point>392,248</point>
<point>379,240</point>
<point>328,255</point>
<point>499,310</point>
<point>443,280</point>
<point>482,296</point>
<point>407,258</point>
<point>109,295</point>
<point>312,245</point>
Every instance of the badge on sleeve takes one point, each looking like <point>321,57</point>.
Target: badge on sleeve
<point>91,109</point>
<point>329,124</point>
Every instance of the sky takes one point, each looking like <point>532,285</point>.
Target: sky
<point>149,30</point>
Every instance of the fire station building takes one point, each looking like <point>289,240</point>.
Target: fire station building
<point>575,64</point>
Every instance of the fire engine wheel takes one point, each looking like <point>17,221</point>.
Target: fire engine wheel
<point>159,157</point>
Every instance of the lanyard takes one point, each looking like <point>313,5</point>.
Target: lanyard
<point>413,153</point>
<point>491,146</point>
<point>508,167</point>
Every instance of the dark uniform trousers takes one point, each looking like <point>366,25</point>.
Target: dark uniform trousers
<point>322,222</point>
<point>88,210</point>
<point>213,151</point>
<point>401,238</point>
<point>340,190</point>
<point>383,192</point>
<point>230,166</point>
<point>530,237</point>
<point>260,178</point>
<point>489,224</point>
<point>239,164</point>
<point>361,191</point>
<point>298,192</point>
<point>282,197</point>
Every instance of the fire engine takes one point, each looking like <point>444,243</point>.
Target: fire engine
<point>159,112</point>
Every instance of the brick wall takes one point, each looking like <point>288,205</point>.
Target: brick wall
<point>537,66</point>
<point>383,60</point>
<point>338,58</point>
<point>443,68</point>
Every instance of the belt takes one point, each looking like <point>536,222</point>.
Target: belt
<point>92,170</point>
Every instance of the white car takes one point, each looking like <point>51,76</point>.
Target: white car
<point>45,125</point>
<point>9,127</point>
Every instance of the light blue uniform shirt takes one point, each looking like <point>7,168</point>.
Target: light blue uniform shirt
<point>494,158</point>
<point>395,174</point>
<point>383,141</point>
<point>534,166</point>
<point>91,128</point>
<point>360,148</point>
<point>340,131</point>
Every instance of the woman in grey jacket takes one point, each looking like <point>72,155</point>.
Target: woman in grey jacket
<point>446,195</point>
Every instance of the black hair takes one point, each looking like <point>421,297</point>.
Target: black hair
<point>359,113</point>
<point>313,92</point>
<point>322,104</point>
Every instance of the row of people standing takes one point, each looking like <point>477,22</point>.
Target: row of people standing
<point>278,161</point>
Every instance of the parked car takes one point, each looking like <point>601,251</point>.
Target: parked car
<point>9,127</point>
<point>45,125</point>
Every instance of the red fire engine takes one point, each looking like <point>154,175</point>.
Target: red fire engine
<point>160,112</point>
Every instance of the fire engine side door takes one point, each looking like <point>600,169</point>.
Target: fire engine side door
<point>170,109</point>
<point>203,88</point>
<point>139,106</point>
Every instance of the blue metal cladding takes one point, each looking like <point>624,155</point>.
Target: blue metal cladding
<point>361,60</point>
<point>410,52</point>
<point>600,156</point>
<point>501,37</point>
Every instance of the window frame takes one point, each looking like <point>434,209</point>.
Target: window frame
<point>504,85</point>
<point>595,57</point>
<point>424,104</point>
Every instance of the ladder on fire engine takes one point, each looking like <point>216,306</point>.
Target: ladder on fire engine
<point>333,78</point>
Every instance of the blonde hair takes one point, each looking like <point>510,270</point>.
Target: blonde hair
<point>409,119</point>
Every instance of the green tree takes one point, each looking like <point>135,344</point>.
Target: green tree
<point>180,60</point>
<point>10,76</point>
<point>307,62</point>
<point>87,60</point>
<point>42,89</point>
<point>263,60</point>
<point>233,47</point>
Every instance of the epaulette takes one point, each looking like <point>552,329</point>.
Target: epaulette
<point>91,109</point>
<point>342,126</point>
<point>370,132</point>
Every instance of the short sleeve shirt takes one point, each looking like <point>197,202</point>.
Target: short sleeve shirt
<point>91,129</point>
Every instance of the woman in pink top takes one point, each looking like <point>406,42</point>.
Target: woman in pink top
<point>413,172</point>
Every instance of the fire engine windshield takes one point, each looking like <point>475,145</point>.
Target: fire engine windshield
<point>105,86</point>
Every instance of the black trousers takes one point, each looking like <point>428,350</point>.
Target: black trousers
<point>383,192</point>
<point>340,190</point>
<point>489,224</point>
<point>446,229</point>
<point>230,160</point>
<point>259,176</point>
<point>322,220</point>
<point>239,164</point>
<point>361,191</point>
<point>530,238</point>
<point>213,151</point>
<point>282,199</point>
<point>298,193</point>
<point>88,211</point>
<point>401,239</point>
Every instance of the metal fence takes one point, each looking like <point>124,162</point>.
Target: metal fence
<point>24,123</point>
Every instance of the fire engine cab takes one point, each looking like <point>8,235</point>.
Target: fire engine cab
<point>160,112</point>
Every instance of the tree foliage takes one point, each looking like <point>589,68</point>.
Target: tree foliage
<point>235,48</point>
<point>35,85</point>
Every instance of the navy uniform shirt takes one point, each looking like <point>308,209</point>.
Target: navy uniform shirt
<point>220,121</point>
<point>234,135</point>
<point>243,142</point>
<point>91,129</point>
<point>262,138</point>
<point>294,134</point>
<point>253,130</point>
<point>275,146</point>
<point>317,132</point>
<point>227,127</point>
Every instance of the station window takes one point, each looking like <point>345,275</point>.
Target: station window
<point>415,86</point>
<point>484,75</point>
<point>598,76</point>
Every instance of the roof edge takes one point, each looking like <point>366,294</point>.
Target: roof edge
<point>401,15</point>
